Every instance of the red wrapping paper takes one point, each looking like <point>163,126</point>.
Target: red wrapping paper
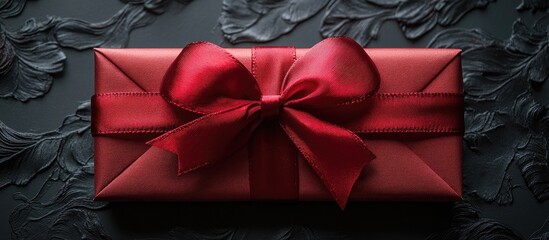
<point>412,166</point>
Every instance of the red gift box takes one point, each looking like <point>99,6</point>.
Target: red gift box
<point>278,123</point>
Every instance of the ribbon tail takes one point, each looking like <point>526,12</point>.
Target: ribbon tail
<point>209,138</point>
<point>316,140</point>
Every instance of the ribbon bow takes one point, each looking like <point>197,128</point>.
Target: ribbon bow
<point>328,83</point>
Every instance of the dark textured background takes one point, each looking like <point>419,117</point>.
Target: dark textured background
<point>198,21</point>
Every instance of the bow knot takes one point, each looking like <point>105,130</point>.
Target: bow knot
<point>326,85</point>
<point>270,105</point>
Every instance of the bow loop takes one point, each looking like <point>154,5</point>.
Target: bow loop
<point>217,81</point>
<point>334,73</point>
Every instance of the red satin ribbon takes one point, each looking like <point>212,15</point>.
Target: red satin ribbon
<point>207,80</point>
<point>316,103</point>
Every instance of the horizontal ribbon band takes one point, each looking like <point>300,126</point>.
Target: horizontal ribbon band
<point>116,113</point>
